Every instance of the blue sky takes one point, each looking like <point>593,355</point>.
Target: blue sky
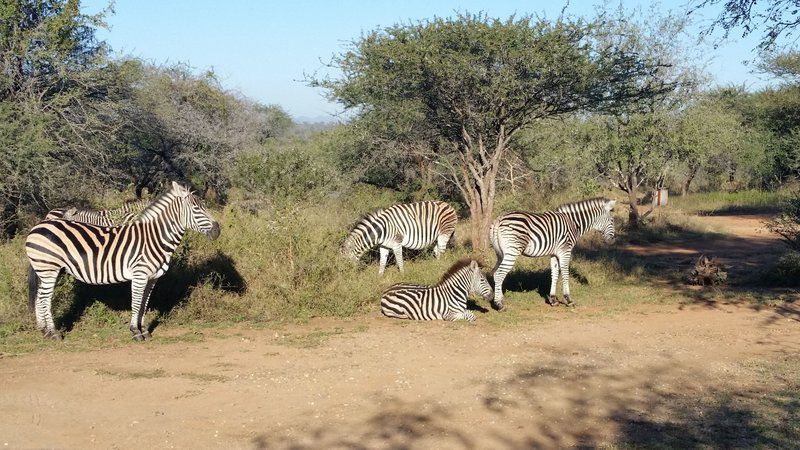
<point>263,48</point>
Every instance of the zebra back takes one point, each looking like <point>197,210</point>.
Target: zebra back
<point>594,213</point>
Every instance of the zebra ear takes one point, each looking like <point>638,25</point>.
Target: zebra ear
<point>610,205</point>
<point>474,265</point>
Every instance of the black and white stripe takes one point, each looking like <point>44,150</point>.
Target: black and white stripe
<point>447,300</point>
<point>551,233</point>
<point>126,213</point>
<point>412,225</point>
<point>139,252</point>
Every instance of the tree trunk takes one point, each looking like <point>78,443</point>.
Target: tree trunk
<point>632,189</point>
<point>689,177</point>
<point>480,221</point>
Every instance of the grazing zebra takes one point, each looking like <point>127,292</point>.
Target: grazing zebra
<point>447,300</point>
<point>412,225</point>
<point>102,217</point>
<point>139,252</point>
<point>551,233</point>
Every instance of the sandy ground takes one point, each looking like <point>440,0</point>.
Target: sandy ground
<point>653,375</point>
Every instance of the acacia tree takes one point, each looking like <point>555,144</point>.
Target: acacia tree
<point>469,84</point>
<point>635,146</point>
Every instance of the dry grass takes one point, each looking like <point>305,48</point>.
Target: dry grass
<point>279,263</point>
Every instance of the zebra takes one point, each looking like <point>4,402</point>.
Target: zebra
<point>551,233</point>
<point>102,217</point>
<point>411,225</point>
<point>446,300</point>
<point>139,252</point>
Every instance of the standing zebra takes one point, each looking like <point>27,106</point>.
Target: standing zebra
<point>412,225</point>
<point>551,233</point>
<point>125,214</point>
<point>447,300</point>
<point>139,252</point>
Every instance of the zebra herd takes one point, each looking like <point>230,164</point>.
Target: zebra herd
<point>135,243</point>
<point>419,225</point>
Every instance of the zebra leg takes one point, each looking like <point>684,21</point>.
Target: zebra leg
<point>503,267</point>
<point>138,287</point>
<point>44,302</point>
<point>145,299</point>
<point>384,257</point>
<point>398,255</point>
<point>441,244</point>
<point>563,261</point>
<point>460,315</point>
<point>554,269</point>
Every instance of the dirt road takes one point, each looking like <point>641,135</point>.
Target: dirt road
<point>684,376</point>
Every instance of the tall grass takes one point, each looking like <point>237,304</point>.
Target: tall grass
<point>749,201</point>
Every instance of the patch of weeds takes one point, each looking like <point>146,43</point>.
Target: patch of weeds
<point>310,340</point>
<point>204,377</point>
<point>132,374</point>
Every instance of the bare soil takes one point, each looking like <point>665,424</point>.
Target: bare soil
<point>681,376</point>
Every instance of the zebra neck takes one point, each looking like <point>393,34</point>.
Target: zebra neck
<point>452,284</point>
<point>582,219</point>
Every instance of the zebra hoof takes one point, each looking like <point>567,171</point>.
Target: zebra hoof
<point>499,307</point>
<point>146,334</point>
<point>54,335</point>
<point>138,337</point>
<point>552,300</point>
<point>568,301</point>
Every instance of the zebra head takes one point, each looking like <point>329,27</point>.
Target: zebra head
<point>362,237</point>
<point>604,222</point>
<point>194,214</point>
<point>480,285</point>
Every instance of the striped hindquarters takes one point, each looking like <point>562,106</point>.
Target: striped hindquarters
<point>91,253</point>
<point>421,223</point>
<point>532,234</point>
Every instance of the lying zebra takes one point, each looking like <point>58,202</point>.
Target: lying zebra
<point>447,300</point>
<point>123,215</point>
<point>412,225</point>
<point>551,233</point>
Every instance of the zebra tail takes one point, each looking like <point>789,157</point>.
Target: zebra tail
<point>495,238</point>
<point>33,287</point>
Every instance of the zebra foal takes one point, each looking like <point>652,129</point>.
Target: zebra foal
<point>446,300</point>
<point>412,225</point>
<point>125,214</point>
<point>138,252</point>
<point>551,233</point>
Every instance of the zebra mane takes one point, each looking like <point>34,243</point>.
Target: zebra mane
<point>368,216</point>
<point>460,264</point>
<point>157,206</point>
<point>583,205</point>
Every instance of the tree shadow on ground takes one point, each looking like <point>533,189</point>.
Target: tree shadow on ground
<point>741,210</point>
<point>172,289</point>
<point>580,398</point>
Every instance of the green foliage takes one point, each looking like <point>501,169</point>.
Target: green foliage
<point>787,224</point>
<point>292,168</point>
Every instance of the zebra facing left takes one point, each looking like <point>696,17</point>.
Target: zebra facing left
<point>551,233</point>
<point>138,252</point>
<point>411,225</point>
<point>446,300</point>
